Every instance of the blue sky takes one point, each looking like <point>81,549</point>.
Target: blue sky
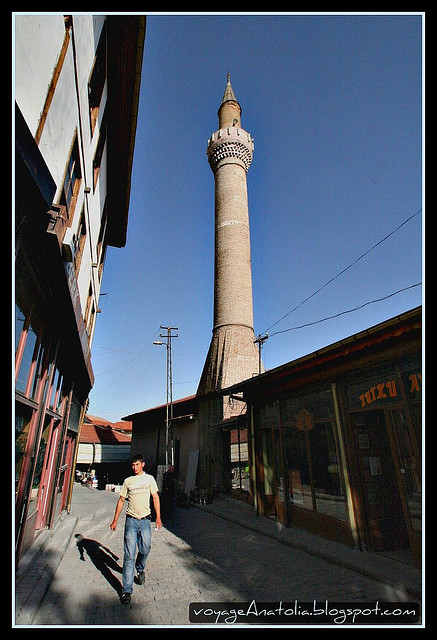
<point>334,104</point>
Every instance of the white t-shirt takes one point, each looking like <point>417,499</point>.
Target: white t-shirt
<point>137,491</point>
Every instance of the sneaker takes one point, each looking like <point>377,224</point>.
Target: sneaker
<point>125,598</point>
<point>141,578</point>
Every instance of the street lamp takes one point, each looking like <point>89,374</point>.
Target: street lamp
<point>169,401</point>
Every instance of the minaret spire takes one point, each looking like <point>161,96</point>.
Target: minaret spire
<point>229,112</point>
<point>229,92</point>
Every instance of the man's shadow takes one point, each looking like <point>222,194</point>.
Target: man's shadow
<point>102,558</point>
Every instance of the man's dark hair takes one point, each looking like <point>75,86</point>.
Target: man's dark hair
<point>138,457</point>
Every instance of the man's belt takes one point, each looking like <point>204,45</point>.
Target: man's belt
<point>145,517</point>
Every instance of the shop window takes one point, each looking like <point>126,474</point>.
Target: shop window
<point>297,460</point>
<point>328,493</point>
<point>23,416</point>
<point>25,343</point>
<point>62,485</point>
<point>239,461</point>
<point>268,462</point>
<point>39,462</point>
<point>27,361</point>
<point>271,457</point>
<point>19,325</point>
<point>312,457</point>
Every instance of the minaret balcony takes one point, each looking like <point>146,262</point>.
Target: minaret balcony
<point>231,144</point>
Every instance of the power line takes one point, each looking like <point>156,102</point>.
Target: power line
<point>377,244</point>
<point>342,313</point>
<point>345,269</point>
<point>133,361</point>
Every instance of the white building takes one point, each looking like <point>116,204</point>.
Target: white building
<point>77,81</point>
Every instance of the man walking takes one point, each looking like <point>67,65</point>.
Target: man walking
<point>137,489</point>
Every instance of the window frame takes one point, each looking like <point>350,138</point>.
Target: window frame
<point>72,180</point>
<point>97,79</point>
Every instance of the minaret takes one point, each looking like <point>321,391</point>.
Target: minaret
<point>232,355</point>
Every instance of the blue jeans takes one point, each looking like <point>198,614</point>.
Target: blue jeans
<point>136,532</point>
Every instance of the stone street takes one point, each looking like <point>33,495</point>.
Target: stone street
<point>196,557</point>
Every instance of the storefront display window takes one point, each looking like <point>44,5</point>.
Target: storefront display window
<point>329,495</point>
<point>269,424</point>
<point>63,476</point>
<point>40,461</point>
<point>22,426</point>
<point>299,478</point>
<point>19,325</point>
<point>239,460</point>
<point>27,358</point>
<point>311,454</point>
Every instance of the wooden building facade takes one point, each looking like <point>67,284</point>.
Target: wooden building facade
<point>335,439</point>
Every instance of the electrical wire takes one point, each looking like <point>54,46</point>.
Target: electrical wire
<point>342,313</point>
<point>133,361</point>
<point>344,270</point>
<point>377,244</point>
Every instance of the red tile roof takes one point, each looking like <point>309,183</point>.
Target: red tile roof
<point>99,430</point>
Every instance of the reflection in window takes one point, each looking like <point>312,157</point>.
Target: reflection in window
<point>239,461</point>
<point>299,479</point>
<point>22,427</point>
<point>39,464</point>
<point>328,492</point>
<point>19,325</point>
<point>312,457</point>
<point>26,360</point>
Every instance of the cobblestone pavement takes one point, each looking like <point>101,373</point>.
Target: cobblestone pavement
<point>196,557</point>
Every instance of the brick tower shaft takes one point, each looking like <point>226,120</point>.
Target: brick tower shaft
<point>232,356</point>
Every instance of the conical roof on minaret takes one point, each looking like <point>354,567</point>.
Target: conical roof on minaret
<point>229,92</point>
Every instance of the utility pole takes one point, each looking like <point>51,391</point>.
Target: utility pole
<point>260,341</point>
<point>169,402</point>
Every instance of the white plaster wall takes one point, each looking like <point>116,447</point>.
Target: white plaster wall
<point>37,46</point>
